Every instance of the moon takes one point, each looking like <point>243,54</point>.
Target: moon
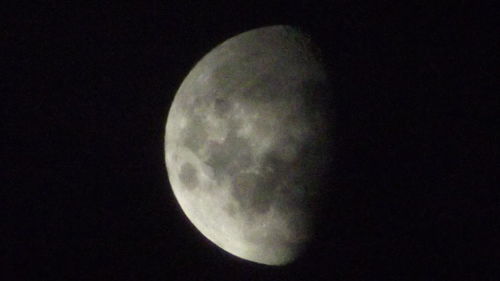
<point>247,140</point>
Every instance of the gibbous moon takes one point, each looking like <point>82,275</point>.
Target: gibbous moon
<point>246,141</point>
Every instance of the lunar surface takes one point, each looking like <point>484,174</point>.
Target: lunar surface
<point>246,143</point>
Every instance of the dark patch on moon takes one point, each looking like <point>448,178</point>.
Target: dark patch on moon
<point>254,192</point>
<point>222,107</point>
<point>264,90</point>
<point>188,176</point>
<point>293,183</point>
<point>194,135</point>
<point>230,210</point>
<point>230,156</point>
<point>315,104</point>
<point>300,223</point>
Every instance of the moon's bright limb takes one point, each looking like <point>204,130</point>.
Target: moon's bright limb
<point>244,140</point>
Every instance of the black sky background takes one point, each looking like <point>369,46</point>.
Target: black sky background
<point>87,92</point>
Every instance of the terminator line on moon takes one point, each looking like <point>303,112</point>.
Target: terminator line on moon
<point>245,140</point>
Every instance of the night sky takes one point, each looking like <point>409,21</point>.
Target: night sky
<point>84,106</point>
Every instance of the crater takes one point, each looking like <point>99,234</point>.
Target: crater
<point>188,176</point>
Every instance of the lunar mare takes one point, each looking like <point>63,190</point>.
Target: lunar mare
<point>245,141</point>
